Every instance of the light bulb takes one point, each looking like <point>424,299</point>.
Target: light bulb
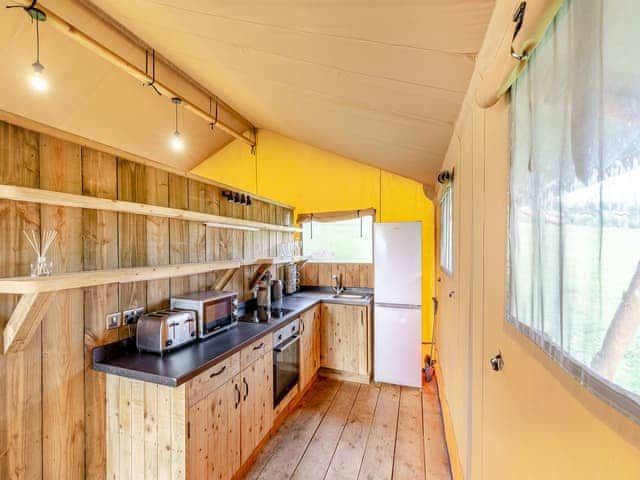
<point>38,81</point>
<point>177,144</point>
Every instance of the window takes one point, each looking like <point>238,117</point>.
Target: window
<point>341,241</point>
<point>446,229</point>
<point>574,232</point>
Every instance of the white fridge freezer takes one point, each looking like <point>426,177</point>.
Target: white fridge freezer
<point>397,256</point>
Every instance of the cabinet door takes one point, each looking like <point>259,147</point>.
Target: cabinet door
<point>224,431</point>
<point>355,335</point>
<point>214,433</point>
<point>257,404</point>
<point>344,338</point>
<point>331,338</point>
<point>308,363</point>
<point>315,340</point>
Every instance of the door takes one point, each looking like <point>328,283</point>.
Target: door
<point>397,346</point>
<point>309,346</point>
<point>256,411</point>
<point>397,256</point>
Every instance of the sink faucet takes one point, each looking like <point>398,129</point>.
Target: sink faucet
<point>337,287</point>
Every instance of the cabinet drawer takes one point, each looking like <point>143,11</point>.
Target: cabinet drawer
<point>212,378</point>
<point>257,349</point>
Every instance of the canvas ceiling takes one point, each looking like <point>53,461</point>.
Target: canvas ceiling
<point>379,81</point>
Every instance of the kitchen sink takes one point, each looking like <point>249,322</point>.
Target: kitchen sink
<point>351,296</point>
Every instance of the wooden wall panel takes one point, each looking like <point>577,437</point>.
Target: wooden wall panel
<point>63,326</point>
<point>20,373</point>
<point>52,405</point>
<point>197,247</point>
<point>132,232</point>
<point>354,275</point>
<point>100,251</point>
<point>178,231</point>
<point>157,229</point>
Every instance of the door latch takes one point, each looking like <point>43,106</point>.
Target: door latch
<point>496,362</point>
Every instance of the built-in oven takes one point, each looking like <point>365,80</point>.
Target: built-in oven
<point>286,360</point>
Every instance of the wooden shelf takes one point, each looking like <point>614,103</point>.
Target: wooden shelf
<point>38,292</point>
<point>48,197</point>
<point>276,260</point>
<point>91,278</point>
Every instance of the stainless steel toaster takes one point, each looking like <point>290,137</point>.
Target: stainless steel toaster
<point>165,330</point>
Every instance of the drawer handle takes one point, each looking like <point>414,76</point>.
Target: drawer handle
<point>237,387</point>
<point>258,347</point>
<point>215,374</point>
<point>246,386</point>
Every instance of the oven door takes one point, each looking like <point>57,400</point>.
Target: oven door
<point>286,367</point>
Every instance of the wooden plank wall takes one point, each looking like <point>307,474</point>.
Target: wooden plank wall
<point>52,404</point>
<point>354,275</point>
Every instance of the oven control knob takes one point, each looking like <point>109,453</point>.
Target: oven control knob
<point>279,337</point>
<point>169,343</point>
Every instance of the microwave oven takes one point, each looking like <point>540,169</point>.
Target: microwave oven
<point>215,311</point>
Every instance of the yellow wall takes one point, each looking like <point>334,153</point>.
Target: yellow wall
<point>314,180</point>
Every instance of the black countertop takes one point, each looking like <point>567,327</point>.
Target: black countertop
<point>175,368</point>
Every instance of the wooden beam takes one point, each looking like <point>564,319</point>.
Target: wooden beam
<point>48,197</point>
<point>67,281</point>
<point>133,70</point>
<point>25,320</point>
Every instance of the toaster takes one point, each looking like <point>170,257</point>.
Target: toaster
<point>165,330</point>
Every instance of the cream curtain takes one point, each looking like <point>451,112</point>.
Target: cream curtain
<point>336,216</point>
<point>574,226</point>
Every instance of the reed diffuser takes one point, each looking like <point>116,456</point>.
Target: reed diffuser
<point>42,267</point>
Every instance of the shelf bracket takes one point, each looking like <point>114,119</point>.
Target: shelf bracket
<point>25,320</point>
<point>225,278</point>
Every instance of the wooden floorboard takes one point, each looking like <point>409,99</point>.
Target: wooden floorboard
<point>378,457</point>
<point>343,430</point>
<point>347,459</point>
<point>409,456</point>
<point>298,433</point>
<point>316,460</point>
<point>436,454</point>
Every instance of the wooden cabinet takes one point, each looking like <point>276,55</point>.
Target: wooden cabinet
<point>213,433</point>
<point>257,402</point>
<point>309,345</point>
<point>345,342</point>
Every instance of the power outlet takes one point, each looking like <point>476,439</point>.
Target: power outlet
<point>113,320</point>
<point>129,317</point>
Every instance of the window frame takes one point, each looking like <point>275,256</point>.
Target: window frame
<point>615,395</point>
<point>447,237</point>
<point>321,260</point>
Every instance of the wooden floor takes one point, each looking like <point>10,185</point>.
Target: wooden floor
<point>343,430</point>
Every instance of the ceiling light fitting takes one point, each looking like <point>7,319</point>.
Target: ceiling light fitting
<point>177,143</point>
<point>38,81</point>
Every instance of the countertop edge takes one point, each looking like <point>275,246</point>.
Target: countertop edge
<point>99,366</point>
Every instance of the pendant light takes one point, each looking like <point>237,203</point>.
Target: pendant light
<point>176,142</point>
<point>37,80</point>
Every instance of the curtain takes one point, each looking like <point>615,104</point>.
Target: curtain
<point>336,216</point>
<point>574,218</point>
